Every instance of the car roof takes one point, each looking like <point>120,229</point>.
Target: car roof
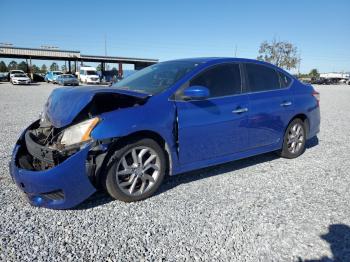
<point>221,59</point>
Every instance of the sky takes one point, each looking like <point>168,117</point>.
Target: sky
<point>165,29</point>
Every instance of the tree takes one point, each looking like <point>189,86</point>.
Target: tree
<point>12,65</point>
<point>280,53</point>
<point>99,67</point>
<point>54,67</point>
<point>23,66</point>
<point>314,73</point>
<point>43,68</point>
<point>63,68</point>
<point>35,69</point>
<point>3,67</point>
<point>115,71</point>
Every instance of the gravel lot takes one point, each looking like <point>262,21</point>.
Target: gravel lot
<point>259,209</point>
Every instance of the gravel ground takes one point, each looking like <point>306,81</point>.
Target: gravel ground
<point>259,209</point>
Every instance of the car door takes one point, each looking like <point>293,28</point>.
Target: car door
<point>216,126</point>
<point>270,105</point>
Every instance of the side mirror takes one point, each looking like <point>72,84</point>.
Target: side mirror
<point>196,93</point>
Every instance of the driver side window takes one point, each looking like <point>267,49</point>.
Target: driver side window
<point>221,80</point>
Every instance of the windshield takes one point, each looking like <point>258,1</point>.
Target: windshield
<point>20,75</point>
<point>68,76</point>
<point>91,72</point>
<point>57,73</point>
<point>16,72</point>
<point>156,78</point>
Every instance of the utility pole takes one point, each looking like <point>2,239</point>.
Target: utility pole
<point>106,49</point>
<point>235,50</point>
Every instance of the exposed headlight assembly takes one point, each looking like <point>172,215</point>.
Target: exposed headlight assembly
<point>79,133</point>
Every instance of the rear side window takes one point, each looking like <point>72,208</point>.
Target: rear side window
<point>284,79</point>
<point>221,80</point>
<point>262,78</point>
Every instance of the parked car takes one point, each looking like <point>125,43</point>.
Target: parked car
<point>67,80</point>
<point>38,77</point>
<point>319,81</point>
<point>166,119</point>
<point>51,76</point>
<point>89,75</point>
<point>13,72</point>
<point>20,79</point>
<point>4,76</point>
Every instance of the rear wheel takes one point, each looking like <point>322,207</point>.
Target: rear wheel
<point>294,139</point>
<point>136,170</point>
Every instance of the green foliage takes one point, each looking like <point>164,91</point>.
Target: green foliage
<point>23,66</point>
<point>43,69</point>
<point>12,65</point>
<point>3,67</point>
<point>314,73</point>
<point>63,68</point>
<point>35,69</point>
<point>280,53</point>
<point>54,67</point>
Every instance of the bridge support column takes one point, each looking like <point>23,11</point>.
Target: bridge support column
<point>69,67</point>
<point>31,68</point>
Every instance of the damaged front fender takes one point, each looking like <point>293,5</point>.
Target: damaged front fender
<point>61,187</point>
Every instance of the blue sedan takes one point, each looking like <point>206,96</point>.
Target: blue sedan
<point>166,119</point>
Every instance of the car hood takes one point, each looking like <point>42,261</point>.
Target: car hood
<point>20,78</point>
<point>64,104</point>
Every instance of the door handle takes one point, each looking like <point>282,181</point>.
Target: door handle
<point>240,110</point>
<point>287,103</point>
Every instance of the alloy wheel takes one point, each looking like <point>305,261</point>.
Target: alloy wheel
<point>138,170</point>
<point>295,139</point>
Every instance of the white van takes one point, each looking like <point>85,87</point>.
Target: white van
<point>88,75</point>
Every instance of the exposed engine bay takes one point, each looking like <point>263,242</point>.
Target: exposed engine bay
<point>44,146</point>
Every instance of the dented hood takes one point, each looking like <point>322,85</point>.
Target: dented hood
<point>64,104</point>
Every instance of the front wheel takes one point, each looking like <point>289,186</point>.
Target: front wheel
<point>294,139</point>
<point>136,170</point>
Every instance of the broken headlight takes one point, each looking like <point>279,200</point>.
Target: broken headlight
<point>79,133</point>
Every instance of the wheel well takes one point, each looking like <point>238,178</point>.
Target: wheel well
<point>304,118</point>
<point>156,137</point>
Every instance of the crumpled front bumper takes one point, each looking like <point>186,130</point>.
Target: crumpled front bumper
<point>61,187</point>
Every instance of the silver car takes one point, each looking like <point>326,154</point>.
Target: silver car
<point>67,80</point>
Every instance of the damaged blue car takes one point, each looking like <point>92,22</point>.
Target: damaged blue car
<point>166,119</point>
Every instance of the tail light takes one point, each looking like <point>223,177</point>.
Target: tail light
<point>316,95</point>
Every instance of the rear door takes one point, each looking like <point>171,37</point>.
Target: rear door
<point>216,126</point>
<point>271,104</point>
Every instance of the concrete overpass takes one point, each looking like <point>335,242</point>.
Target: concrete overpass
<point>71,56</point>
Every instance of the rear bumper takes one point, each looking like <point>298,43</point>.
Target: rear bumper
<point>314,117</point>
<point>61,187</point>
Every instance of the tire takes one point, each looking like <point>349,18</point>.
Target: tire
<point>126,179</point>
<point>294,140</point>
